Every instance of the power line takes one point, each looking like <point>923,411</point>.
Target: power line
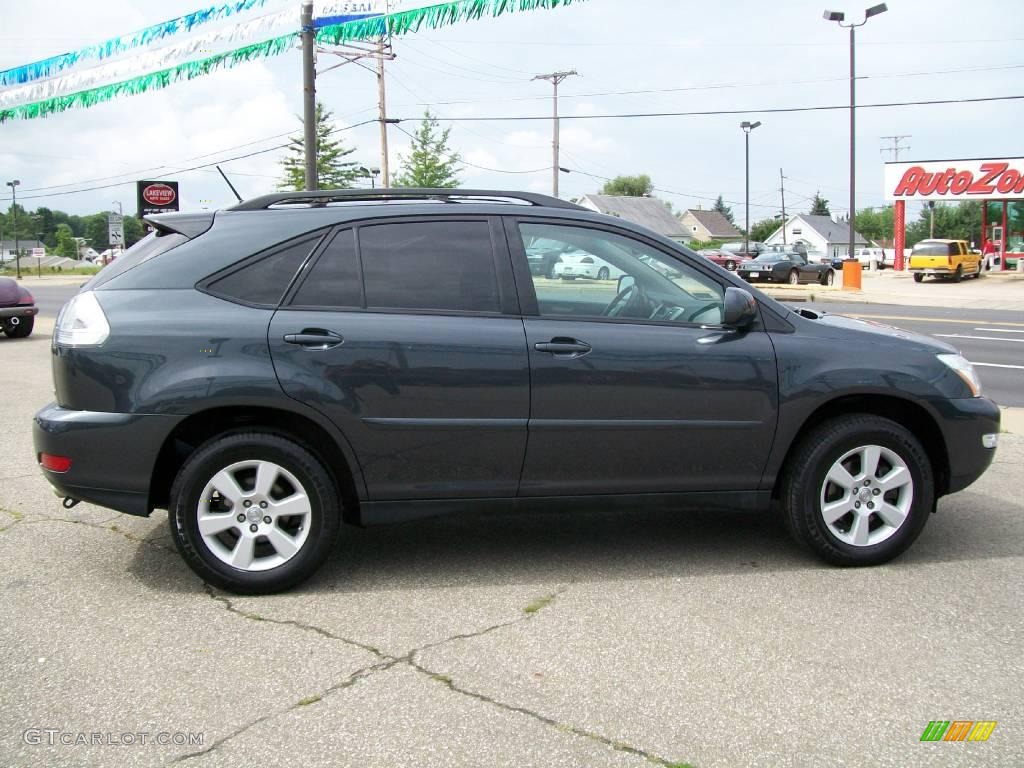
<point>474,165</point>
<point>764,111</point>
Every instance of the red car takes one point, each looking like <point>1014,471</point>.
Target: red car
<point>725,259</point>
<point>17,309</point>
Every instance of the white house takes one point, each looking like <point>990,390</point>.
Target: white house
<point>820,234</point>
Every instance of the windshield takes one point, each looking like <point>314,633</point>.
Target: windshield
<point>931,249</point>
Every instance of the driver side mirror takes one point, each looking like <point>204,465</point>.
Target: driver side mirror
<point>626,281</point>
<point>740,308</point>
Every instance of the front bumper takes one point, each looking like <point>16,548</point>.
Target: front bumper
<point>964,423</point>
<point>113,455</point>
<point>19,310</point>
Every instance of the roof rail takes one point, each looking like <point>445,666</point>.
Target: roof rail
<point>321,198</point>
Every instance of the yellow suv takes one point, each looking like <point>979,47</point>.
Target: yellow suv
<point>944,259</point>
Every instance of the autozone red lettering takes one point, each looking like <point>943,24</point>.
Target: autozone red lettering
<point>942,187</point>
<point>910,181</point>
<point>961,182</point>
<point>1008,181</point>
<point>1020,185</point>
<point>985,185</point>
<point>928,183</point>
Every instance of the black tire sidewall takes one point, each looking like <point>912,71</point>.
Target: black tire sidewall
<point>22,330</point>
<point>221,452</point>
<point>804,496</point>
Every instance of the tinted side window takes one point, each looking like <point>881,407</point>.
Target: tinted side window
<point>334,279</point>
<point>264,281</point>
<point>439,265</point>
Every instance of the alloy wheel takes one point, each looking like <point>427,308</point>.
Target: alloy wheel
<point>866,495</point>
<point>254,515</point>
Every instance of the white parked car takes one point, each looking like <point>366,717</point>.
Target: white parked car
<point>582,264</point>
<point>866,255</point>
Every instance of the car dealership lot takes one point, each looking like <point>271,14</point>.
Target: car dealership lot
<point>610,638</point>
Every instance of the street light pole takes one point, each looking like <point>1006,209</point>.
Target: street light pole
<point>747,128</point>
<point>839,17</point>
<point>14,210</point>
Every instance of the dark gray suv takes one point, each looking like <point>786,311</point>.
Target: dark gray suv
<point>270,371</point>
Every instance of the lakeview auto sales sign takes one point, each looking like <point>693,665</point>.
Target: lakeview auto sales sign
<point>157,197</point>
<point>997,179</point>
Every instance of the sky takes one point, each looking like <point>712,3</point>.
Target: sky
<point>739,56</point>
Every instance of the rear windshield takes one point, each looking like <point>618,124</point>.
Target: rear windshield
<point>147,248</point>
<point>932,249</point>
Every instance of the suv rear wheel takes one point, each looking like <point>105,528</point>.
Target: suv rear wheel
<point>858,490</point>
<point>253,513</point>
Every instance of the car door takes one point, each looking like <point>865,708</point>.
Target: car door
<point>405,333</point>
<point>639,394</point>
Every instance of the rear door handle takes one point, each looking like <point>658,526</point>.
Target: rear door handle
<point>314,338</point>
<point>563,347</point>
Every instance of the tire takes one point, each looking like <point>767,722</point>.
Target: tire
<point>794,277</point>
<point>20,331</point>
<point>858,537</point>
<point>272,567</point>
<point>918,277</point>
<point>603,273</point>
<point>828,278</point>
<point>959,274</point>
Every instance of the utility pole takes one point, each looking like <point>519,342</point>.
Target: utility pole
<point>14,211</point>
<point>555,78</point>
<point>895,149</point>
<point>382,109</point>
<point>782,189</point>
<point>309,94</point>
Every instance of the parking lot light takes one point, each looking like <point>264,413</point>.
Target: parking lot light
<point>747,127</point>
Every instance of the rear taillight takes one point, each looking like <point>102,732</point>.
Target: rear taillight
<point>54,463</point>
<point>81,323</point>
<point>26,298</point>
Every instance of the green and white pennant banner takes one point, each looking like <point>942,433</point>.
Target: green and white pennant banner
<point>273,33</point>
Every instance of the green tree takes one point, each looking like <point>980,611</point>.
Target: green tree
<point>819,206</point>
<point>762,230</point>
<point>66,245</point>
<point>956,221</point>
<point>875,223</point>
<point>629,186</point>
<point>333,170</point>
<point>430,163</point>
<point>97,231</point>
<point>724,209</point>
<point>133,231</point>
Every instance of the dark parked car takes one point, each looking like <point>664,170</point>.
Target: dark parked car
<point>726,259</point>
<point>749,249</point>
<point>17,309</point>
<point>781,267</point>
<point>270,371</point>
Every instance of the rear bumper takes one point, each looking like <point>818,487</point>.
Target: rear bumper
<point>23,310</point>
<point>112,454</point>
<point>963,424</point>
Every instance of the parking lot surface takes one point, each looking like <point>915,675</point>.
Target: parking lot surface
<point>607,639</point>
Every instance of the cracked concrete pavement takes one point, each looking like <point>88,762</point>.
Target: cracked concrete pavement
<point>613,638</point>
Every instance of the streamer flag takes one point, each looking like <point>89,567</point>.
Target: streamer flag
<point>51,66</point>
<point>274,33</point>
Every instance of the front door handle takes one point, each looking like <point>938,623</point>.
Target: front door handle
<point>314,338</point>
<point>563,347</point>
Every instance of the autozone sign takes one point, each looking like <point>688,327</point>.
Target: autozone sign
<point>999,178</point>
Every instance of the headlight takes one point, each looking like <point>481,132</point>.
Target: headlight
<point>81,322</point>
<point>964,370</point>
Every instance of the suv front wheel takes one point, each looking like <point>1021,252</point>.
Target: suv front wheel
<point>253,513</point>
<point>858,490</point>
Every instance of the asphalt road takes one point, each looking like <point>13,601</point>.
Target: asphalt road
<point>991,339</point>
<point>50,298</point>
<point>634,638</point>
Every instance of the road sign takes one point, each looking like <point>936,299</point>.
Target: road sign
<point>38,253</point>
<point>115,229</point>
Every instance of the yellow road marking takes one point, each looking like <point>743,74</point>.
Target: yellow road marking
<point>931,319</point>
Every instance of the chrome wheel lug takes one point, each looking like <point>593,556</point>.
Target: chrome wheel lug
<point>856,504</point>
<point>241,518</point>
<point>267,520</point>
<point>263,505</point>
<point>254,527</point>
<point>875,492</point>
<point>867,482</point>
<point>246,503</point>
<point>871,505</point>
